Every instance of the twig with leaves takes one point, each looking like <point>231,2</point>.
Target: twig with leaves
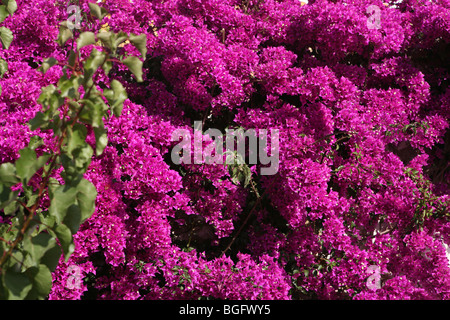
<point>32,243</point>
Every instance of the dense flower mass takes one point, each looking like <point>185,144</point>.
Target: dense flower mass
<point>359,207</point>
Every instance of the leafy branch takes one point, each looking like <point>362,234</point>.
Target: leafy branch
<point>428,204</point>
<point>32,242</point>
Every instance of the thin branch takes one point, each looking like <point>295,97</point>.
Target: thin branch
<point>258,201</point>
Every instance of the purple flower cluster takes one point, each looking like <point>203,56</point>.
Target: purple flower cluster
<point>364,177</point>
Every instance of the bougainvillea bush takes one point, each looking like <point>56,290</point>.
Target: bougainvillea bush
<point>359,206</point>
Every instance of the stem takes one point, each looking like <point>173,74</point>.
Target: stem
<point>4,240</point>
<point>258,201</point>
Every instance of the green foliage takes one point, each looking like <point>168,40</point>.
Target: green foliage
<point>6,37</point>
<point>86,38</point>
<point>35,239</point>
<point>239,171</point>
<point>428,204</point>
<point>135,66</point>
<point>97,11</point>
<point>64,34</point>
<point>3,67</point>
<point>140,42</point>
<point>115,96</point>
<point>3,13</point>
<point>8,7</point>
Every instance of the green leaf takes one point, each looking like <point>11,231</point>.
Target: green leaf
<point>35,142</point>
<point>97,11</point>
<point>140,42</point>
<point>46,93</point>
<point>71,173</point>
<point>135,66</point>
<point>107,38</point>
<point>72,58</point>
<point>62,198</point>
<point>44,220</point>
<point>87,194</point>
<point>101,140</point>
<point>8,8</point>
<point>42,160</point>
<point>83,194</point>
<point>74,106</point>
<point>6,37</point>
<point>107,66</point>
<point>32,200</point>
<point>85,39</point>
<point>69,87</point>
<point>3,67</point>
<point>26,164</point>
<point>18,284</point>
<point>92,63</point>
<point>247,175</point>
<point>47,64</point>
<point>11,208</point>
<point>92,112</point>
<point>42,282</point>
<point>3,13</point>
<point>95,59</point>
<point>8,178</point>
<point>7,197</point>
<point>54,102</point>
<point>52,185</point>
<point>73,218</point>
<point>64,34</point>
<point>120,38</point>
<point>11,5</point>
<point>116,96</point>
<point>38,121</point>
<point>55,124</point>
<point>76,137</point>
<point>8,174</point>
<point>82,158</point>
<point>38,245</point>
<point>65,239</point>
<point>51,258</point>
<point>8,233</point>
